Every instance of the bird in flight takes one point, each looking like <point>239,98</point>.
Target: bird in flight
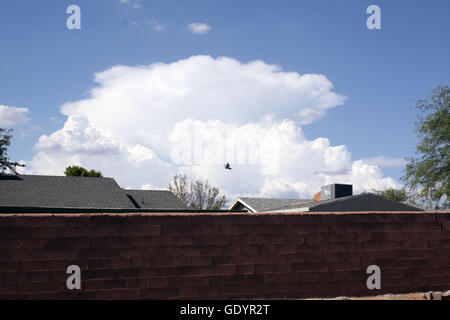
<point>227,166</point>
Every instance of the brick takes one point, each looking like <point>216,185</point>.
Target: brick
<point>140,230</point>
<point>183,261</point>
<point>210,250</point>
<point>188,292</point>
<point>161,261</point>
<point>106,294</point>
<point>140,242</point>
<point>231,249</point>
<point>10,221</point>
<point>201,261</point>
<point>362,237</point>
<point>445,225</point>
<point>277,277</point>
<point>191,251</point>
<point>128,294</point>
<point>119,263</point>
<point>49,233</point>
<point>189,281</point>
<point>226,269</point>
<point>229,229</point>
<point>282,267</point>
<point>130,252</point>
<point>98,263</point>
<point>14,233</point>
<point>110,242</point>
<point>263,268</point>
<point>8,288</point>
<point>245,269</point>
<point>13,277</point>
<point>286,248</point>
<point>138,282</point>
<point>38,276</point>
<point>9,265</point>
<point>387,236</point>
<point>151,294</point>
<point>165,241</point>
<point>215,281</point>
<point>10,244</point>
<point>39,287</point>
<point>161,293</point>
<point>158,282</point>
<point>124,273</point>
<point>95,284</point>
<point>213,240</point>
<point>97,253</point>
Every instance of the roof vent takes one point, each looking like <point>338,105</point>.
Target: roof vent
<point>336,190</point>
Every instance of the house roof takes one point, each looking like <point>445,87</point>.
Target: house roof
<point>61,191</point>
<point>155,199</point>
<point>360,202</point>
<point>79,192</point>
<point>267,204</point>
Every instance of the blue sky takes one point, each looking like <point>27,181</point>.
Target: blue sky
<point>381,72</point>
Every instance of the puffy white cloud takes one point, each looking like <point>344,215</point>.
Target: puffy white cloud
<point>77,137</point>
<point>152,99</point>
<point>78,143</point>
<point>199,27</point>
<point>11,116</point>
<point>364,177</point>
<point>269,158</point>
<point>143,124</point>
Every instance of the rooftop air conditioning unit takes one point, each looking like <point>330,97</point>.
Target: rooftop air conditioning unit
<point>336,190</point>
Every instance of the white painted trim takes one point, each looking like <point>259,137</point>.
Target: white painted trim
<point>245,204</point>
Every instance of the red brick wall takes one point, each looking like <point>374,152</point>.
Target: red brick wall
<point>165,256</point>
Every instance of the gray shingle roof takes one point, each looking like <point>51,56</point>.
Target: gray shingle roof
<point>61,191</point>
<point>267,204</point>
<point>155,199</point>
<point>80,192</point>
<point>360,202</point>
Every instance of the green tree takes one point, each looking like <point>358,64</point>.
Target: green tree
<point>77,171</point>
<point>198,194</point>
<point>428,173</point>
<point>399,195</point>
<point>5,142</point>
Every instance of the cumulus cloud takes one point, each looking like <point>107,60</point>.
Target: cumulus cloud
<point>144,124</point>
<point>11,116</point>
<point>152,99</point>
<point>77,137</point>
<point>272,159</point>
<point>199,27</point>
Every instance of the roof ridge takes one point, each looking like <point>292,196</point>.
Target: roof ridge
<point>147,190</point>
<point>49,176</point>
